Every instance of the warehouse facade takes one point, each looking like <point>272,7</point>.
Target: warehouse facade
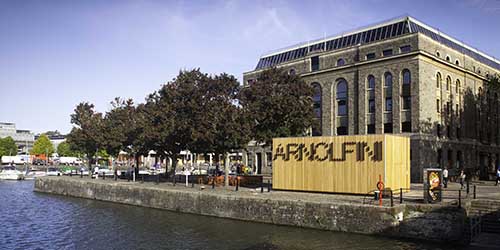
<point>400,77</point>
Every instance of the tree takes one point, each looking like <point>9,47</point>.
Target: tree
<point>43,146</point>
<point>64,149</point>
<point>7,146</point>
<point>278,105</point>
<point>87,133</point>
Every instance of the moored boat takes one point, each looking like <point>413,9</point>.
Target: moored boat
<point>11,173</point>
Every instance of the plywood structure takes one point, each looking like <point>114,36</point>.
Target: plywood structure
<point>341,164</point>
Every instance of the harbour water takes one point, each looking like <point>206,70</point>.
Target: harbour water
<point>32,220</point>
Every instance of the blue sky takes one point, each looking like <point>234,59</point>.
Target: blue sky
<point>55,54</point>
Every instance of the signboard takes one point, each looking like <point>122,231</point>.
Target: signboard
<point>433,179</point>
<point>341,164</point>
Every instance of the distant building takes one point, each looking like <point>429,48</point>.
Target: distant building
<point>397,77</point>
<point>24,138</point>
<point>55,138</point>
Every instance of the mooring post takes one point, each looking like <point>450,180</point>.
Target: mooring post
<point>459,198</point>
<point>174,180</point>
<point>142,178</point>
<point>192,181</point>
<point>268,185</point>
<point>213,182</point>
<point>158,178</point>
<point>81,173</point>
<point>237,182</point>
<point>262,184</point>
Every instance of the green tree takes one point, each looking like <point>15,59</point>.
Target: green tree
<point>278,105</point>
<point>64,149</point>
<point>7,146</point>
<point>43,146</point>
<point>87,133</point>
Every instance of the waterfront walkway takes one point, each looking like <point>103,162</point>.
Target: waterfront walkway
<point>484,190</point>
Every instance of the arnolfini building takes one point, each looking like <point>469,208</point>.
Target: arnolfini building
<point>399,77</point>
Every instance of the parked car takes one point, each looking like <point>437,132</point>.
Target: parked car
<point>106,171</point>
<point>53,172</point>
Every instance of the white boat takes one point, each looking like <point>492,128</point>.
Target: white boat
<point>11,173</point>
<point>34,174</point>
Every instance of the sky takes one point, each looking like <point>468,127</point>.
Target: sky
<point>56,54</point>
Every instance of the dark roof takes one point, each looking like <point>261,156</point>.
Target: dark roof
<point>382,31</point>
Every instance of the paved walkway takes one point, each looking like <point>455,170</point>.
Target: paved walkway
<point>485,190</point>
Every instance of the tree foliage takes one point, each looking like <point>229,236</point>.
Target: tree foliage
<point>278,105</point>
<point>7,146</point>
<point>65,150</point>
<point>42,146</point>
<point>87,133</point>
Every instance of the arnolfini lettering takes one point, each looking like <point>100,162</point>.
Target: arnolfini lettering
<point>325,151</point>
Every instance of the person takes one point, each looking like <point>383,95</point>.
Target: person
<point>96,172</point>
<point>445,177</point>
<point>462,179</point>
<point>498,176</point>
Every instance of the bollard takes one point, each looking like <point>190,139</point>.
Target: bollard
<point>103,176</point>
<point>70,173</point>
<point>474,191</point>
<point>460,198</point>
<point>157,179</point>
<point>174,180</point>
<point>81,174</point>
<point>192,182</point>
<point>401,196</point>
<point>213,182</point>
<point>269,186</point>
<point>392,199</point>
<point>237,183</point>
<point>142,178</point>
<point>262,185</point>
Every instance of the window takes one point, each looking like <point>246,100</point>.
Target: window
<point>370,129</point>
<point>250,81</point>
<point>388,104</point>
<point>406,127</point>
<point>387,52</point>
<point>316,128</point>
<point>291,72</point>
<point>405,49</point>
<point>371,106</point>
<point>438,54</point>
<point>388,80</point>
<point>448,107</point>
<point>371,82</point>
<point>448,83</point>
<point>406,102</point>
<point>340,62</point>
<point>370,56</point>
<point>342,130</point>
<point>439,156</point>
<point>342,98</point>
<point>438,130</point>
<point>448,58</point>
<point>438,80</point>
<point>438,107</point>
<point>406,77</point>
<point>387,128</point>
<point>457,63</point>
<point>315,63</point>
<point>457,87</point>
<point>448,131</point>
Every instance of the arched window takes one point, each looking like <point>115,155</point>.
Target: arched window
<point>342,97</point>
<point>438,54</point>
<point>438,80</point>
<point>340,62</point>
<point>457,87</point>
<point>291,72</point>
<point>448,83</point>
<point>387,80</point>
<point>406,77</point>
<point>457,63</point>
<point>406,91</point>
<point>371,82</point>
<point>316,128</point>
<point>448,58</point>
<point>370,93</point>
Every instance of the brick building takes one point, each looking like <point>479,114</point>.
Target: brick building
<point>400,76</point>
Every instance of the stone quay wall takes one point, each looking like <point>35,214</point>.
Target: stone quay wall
<point>429,222</point>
